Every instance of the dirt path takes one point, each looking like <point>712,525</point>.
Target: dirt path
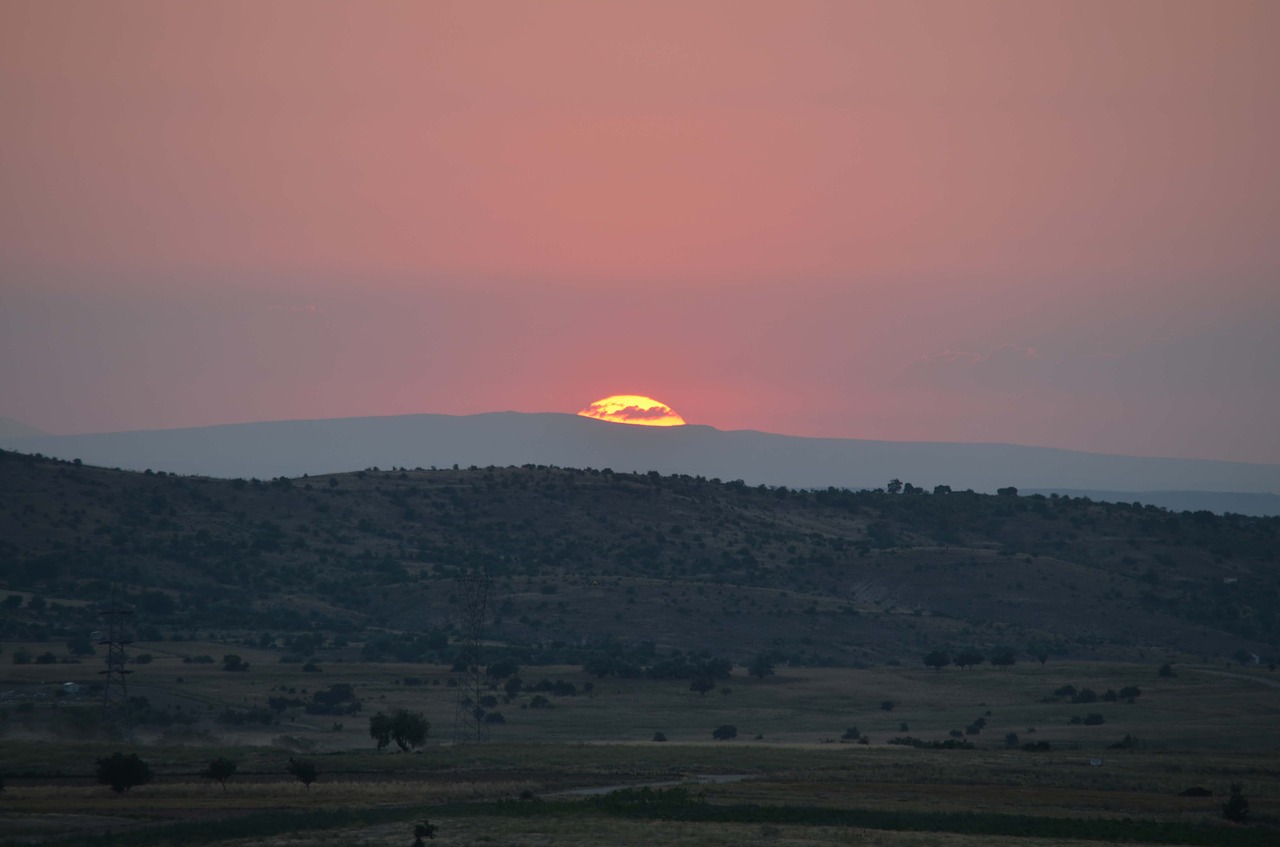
<point>1250,677</point>
<point>700,779</point>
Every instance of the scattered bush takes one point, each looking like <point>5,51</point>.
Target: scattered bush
<point>724,732</point>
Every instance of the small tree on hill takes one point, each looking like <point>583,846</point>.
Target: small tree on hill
<point>1003,659</point>
<point>122,772</point>
<point>380,729</point>
<point>1237,806</point>
<point>760,667</point>
<point>409,729</point>
<point>220,769</point>
<point>232,662</point>
<point>426,829</point>
<point>969,658</point>
<point>303,771</point>
<point>702,684</point>
<point>937,660</point>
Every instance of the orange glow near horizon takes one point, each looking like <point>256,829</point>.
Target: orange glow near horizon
<point>633,409</point>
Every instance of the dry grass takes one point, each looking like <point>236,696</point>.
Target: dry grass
<point>594,832</point>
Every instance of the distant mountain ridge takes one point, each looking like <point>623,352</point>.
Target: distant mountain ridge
<point>294,448</point>
<point>9,428</point>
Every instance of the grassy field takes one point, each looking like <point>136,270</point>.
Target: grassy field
<point>1209,726</point>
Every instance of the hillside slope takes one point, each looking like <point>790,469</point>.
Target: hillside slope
<point>590,560</point>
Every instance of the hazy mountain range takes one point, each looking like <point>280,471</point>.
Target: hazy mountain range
<point>293,448</point>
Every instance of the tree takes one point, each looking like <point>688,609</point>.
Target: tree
<point>502,669</point>
<point>702,684</point>
<point>937,660</point>
<point>760,667</point>
<point>81,646</point>
<point>303,771</point>
<point>969,658</point>
<point>409,729</point>
<point>724,732</point>
<point>220,769</point>
<point>232,662</point>
<point>894,486</point>
<point>380,730</point>
<point>1237,806</point>
<point>123,772</point>
<point>1003,659</point>
<point>426,829</point>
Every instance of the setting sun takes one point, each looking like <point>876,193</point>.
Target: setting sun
<point>633,409</point>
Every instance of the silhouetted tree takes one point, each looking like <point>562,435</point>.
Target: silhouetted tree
<point>969,658</point>
<point>232,662</point>
<point>894,486</point>
<point>1237,806</point>
<point>760,667</point>
<point>123,772</point>
<point>303,771</point>
<point>937,660</point>
<point>380,729</point>
<point>409,729</point>
<point>1003,658</point>
<point>426,829</point>
<point>220,769</point>
<point>702,684</point>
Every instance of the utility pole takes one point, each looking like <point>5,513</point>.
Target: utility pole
<point>473,607</point>
<point>115,688</point>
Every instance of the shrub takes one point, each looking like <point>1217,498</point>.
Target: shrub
<point>658,736</point>
<point>851,734</point>
<point>887,706</point>
<point>724,732</point>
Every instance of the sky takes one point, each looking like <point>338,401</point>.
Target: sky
<point>1039,223</point>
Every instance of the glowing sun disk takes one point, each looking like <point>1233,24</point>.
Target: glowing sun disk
<point>633,409</point>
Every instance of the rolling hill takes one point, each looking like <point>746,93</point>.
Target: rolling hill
<point>632,566</point>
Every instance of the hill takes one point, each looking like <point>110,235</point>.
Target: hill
<point>636,565</point>
<point>294,448</point>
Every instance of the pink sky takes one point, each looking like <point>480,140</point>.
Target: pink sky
<point>1042,223</point>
